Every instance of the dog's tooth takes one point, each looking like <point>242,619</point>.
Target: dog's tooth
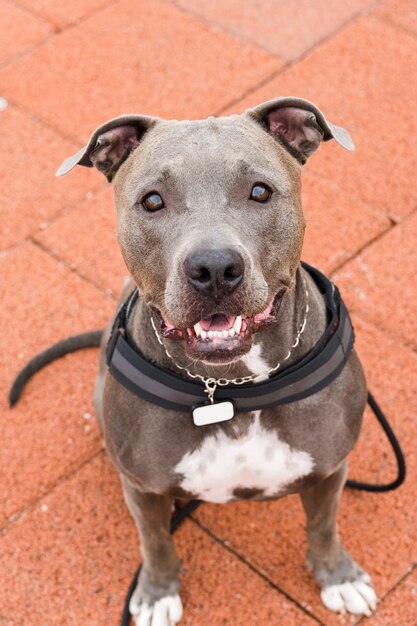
<point>203,334</point>
<point>210,334</point>
<point>198,329</point>
<point>232,332</point>
<point>238,324</point>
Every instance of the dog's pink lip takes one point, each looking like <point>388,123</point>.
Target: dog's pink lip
<point>219,322</point>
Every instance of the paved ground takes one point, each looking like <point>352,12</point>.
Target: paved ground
<point>68,545</point>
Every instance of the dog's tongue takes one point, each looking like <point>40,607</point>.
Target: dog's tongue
<point>218,322</point>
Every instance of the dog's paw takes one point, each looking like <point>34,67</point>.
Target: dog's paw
<point>357,597</point>
<point>164,612</point>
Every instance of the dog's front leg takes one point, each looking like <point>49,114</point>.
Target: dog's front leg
<point>344,585</point>
<point>155,600</point>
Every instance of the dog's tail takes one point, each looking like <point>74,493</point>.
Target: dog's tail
<point>90,339</point>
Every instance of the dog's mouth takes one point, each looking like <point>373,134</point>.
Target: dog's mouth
<point>221,337</point>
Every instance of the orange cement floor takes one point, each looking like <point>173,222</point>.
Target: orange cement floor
<point>68,546</point>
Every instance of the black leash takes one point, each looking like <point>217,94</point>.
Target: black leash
<point>399,457</point>
<point>182,513</point>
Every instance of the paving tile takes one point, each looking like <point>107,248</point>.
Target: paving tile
<point>31,194</point>
<point>285,29</point>
<point>19,30</point>
<point>148,72</point>
<point>48,432</point>
<point>95,255</point>
<point>400,606</point>
<point>336,227</point>
<point>64,12</point>
<point>402,13</point>
<point>70,561</point>
<point>380,282</point>
<point>361,80</point>
<point>69,558</point>
<point>379,530</point>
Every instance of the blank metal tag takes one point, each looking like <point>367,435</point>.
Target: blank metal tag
<point>213,413</point>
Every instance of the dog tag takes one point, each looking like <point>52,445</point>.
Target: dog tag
<point>213,413</point>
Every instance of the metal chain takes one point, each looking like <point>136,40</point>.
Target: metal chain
<point>211,383</point>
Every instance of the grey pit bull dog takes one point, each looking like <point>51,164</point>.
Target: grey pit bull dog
<point>210,225</point>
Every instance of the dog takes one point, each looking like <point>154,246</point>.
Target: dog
<point>210,226</point>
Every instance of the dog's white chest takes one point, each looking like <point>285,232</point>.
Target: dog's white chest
<point>258,460</point>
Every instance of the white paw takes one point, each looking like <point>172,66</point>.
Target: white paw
<point>165,612</point>
<point>357,597</point>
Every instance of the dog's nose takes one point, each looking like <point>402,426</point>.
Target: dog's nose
<point>215,272</point>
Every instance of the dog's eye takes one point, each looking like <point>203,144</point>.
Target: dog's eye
<point>260,193</point>
<point>152,201</point>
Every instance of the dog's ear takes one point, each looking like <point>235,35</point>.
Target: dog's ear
<point>110,144</point>
<point>299,125</point>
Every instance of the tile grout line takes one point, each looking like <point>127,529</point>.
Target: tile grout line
<point>291,63</point>
<point>399,582</point>
<point>394,225</point>
<point>31,48</point>
<point>247,41</point>
<point>377,238</point>
<point>216,26</point>
<point>287,64</point>
<point>31,504</point>
<point>73,139</point>
<point>219,111</point>
<point>251,90</point>
<point>46,18</point>
<point>107,293</point>
<point>363,248</point>
<point>34,15</point>
<point>66,210</point>
<point>39,120</point>
<point>49,221</point>
<point>57,33</point>
<point>253,568</point>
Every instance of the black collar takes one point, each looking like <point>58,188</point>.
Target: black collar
<point>167,389</point>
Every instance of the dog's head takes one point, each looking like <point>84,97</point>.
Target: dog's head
<point>210,222</point>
